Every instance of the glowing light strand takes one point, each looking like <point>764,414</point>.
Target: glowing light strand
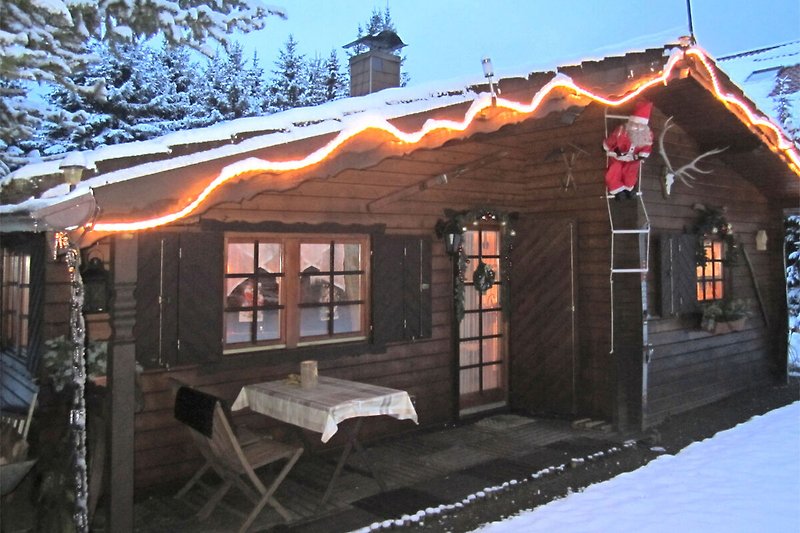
<point>481,103</point>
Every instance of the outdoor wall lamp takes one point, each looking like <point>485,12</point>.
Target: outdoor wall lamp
<point>451,234</point>
<point>95,286</point>
<point>72,166</point>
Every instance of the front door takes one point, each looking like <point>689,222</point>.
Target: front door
<point>543,341</point>
<point>482,364</point>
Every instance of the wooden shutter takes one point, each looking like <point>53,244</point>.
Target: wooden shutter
<point>417,288</point>
<point>401,296</point>
<point>156,294</point>
<point>178,298</point>
<point>200,288</point>
<point>678,274</point>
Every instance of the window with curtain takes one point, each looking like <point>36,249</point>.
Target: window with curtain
<point>710,276</point>
<point>16,288</point>
<point>290,290</point>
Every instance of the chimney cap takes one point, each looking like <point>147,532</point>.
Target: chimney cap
<point>386,40</point>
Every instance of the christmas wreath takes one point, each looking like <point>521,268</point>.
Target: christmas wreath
<point>484,276</point>
<point>711,222</point>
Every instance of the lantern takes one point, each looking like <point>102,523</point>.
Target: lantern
<point>95,287</point>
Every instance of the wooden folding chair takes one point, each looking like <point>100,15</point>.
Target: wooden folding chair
<point>231,460</point>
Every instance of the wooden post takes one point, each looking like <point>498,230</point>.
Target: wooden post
<point>122,373</point>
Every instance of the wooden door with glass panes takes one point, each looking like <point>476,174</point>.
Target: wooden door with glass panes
<point>482,365</point>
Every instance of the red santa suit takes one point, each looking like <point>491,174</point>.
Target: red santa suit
<point>627,145</point>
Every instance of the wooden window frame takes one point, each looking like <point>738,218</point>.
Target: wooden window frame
<point>290,277</point>
<point>711,276</point>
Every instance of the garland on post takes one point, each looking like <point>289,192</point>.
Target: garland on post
<point>711,222</point>
<point>459,222</point>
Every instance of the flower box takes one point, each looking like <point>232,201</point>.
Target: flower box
<point>728,326</point>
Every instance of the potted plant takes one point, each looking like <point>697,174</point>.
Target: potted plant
<point>724,316</point>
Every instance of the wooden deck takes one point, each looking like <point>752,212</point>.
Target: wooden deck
<point>424,470</point>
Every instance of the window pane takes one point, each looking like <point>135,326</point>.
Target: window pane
<point>492,377</point>
<point>237,326</point>
<point>269,257</point>
<point>491,323</point>
<point>349,255</point>
<point>239,258</point>
<point>491,349</point>
<point>469,353</point>
<point>347,319</point>
<point>471,298</point>
<point>718,290</point>
<point>314,321</point>
<point>491,243</point>
<point>352,287</point>
<point>268,326</point>
<point>469,380</point>
<point>469,326</point>
<point>239,292</point>
<point>315,257</point>
<point>314,289</point>
<point>491,298</point>
<point>470,243</point>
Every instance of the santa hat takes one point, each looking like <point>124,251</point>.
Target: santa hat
<point>641,113</point>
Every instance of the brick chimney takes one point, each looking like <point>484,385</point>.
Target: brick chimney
<point>377,68</point>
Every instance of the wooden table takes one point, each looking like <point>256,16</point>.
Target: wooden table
<point>321,408</point>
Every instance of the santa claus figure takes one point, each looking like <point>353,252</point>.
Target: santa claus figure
<point>627,145</point>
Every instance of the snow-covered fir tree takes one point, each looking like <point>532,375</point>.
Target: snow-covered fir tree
<point>289,88</point>
<point>144,92</point>
<point>336,82</point>
<point>792,228</point>
<point>315,81</point>
<point>46,42</point>
<point>230,88</point>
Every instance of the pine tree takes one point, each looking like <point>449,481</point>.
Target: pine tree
<point>315,80</point>
<point>288,88</point>
<point>48,42</point>
<point>231,89</point>
<point>336,85</point>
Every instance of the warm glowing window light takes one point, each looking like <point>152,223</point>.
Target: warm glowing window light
<point>254,166</point>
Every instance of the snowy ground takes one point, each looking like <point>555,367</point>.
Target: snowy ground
<point>744,479</point>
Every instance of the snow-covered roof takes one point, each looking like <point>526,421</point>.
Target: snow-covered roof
<point>758,73</point>
<point>237,140</point>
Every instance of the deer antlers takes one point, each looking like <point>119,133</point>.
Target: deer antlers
<point>683,173</point>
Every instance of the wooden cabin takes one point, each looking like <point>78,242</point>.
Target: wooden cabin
<point>235,252</point>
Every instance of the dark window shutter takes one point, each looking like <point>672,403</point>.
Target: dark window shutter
<point>401,280</point>
<point>200,282</point>
<point>678,274</point>
<point>157,300</point>
<point>387,288</point>
<point>416,288</point>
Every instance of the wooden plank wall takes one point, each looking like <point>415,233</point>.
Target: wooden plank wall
<point>691,367</point>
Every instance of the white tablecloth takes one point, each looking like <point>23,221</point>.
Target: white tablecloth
<point>321,408</point>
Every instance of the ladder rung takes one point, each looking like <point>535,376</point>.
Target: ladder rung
<point>645,230</point>
<point>628,270</point>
